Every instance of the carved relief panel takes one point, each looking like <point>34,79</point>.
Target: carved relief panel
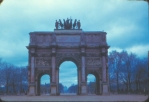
<point>93,38</point>
<point>43,62</point>
<point>40,39</point>
<point>43,39</point>
<point>93,60</point>
<point>43,59</point>
<point>66,38</point>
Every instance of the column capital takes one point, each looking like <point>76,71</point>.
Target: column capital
<point>33,54</point>
<point>53,52</point>
<point>57,68</point>
<point>104,54</point>
<point>83,53</point>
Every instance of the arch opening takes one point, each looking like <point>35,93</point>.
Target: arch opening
<point>68,80</point>
<point>91,84</point>
<point>44,87</point>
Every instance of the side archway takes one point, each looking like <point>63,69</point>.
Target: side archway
<point>91,84</point>
<point>43,84</point>
<point>94,86</point>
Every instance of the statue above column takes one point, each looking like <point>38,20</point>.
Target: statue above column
<point>67,24</point>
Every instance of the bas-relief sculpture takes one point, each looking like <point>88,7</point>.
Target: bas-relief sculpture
<point>88,50</point>
<point>43,62</point>
<point>93,62</point>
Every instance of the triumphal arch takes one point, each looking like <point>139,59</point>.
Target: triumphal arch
<point>68,42</point>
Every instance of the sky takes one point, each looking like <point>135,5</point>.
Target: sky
<point>125,21</point>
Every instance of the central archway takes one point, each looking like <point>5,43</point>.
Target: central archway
<point>68,80</point>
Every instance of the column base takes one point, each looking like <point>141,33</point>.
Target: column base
<point>31,91</point>
<point>105,90</point>
<point>53,90</point>
<point>83,89</point>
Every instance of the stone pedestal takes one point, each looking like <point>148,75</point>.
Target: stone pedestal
<point>31,91</point>
<point>105,90</point>
<point>53,89</point>
<point>83,89</point>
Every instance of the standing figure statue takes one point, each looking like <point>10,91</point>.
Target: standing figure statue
<point>67,24</point>
<point>70,25</point>
<point>56,24</point>
<point>74,24</point>
<point>67,21</point>
<point>64,23</point>
<point>78,24</point>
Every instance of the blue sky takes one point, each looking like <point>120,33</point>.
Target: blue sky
<point>126,23</point>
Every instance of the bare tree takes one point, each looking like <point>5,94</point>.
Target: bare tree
<point>115,60</point>
<point>12,77</point>
<point>140,74</point>
<point>22,77</point>
<point>129,65</point>
<point>6,71</point>
<point>127,69</point>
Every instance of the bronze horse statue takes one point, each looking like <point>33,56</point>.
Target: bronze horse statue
<point>74,24</point>
<point>61,24</point>
<point>67,24</point>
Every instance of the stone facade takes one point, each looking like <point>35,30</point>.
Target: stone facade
<point>88,50</point>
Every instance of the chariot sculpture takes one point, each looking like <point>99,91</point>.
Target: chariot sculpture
<point>67,24</point>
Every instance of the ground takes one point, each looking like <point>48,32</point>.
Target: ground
<point>124,98</point>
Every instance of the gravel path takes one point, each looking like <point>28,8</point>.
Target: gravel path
<point>114,98</point>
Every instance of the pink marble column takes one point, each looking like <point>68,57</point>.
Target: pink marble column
<point>53,64</point>
<point>32,69</point>
<point>53,69</point>
<point>57,80</point>
<point>32,84</point>
<point>79,80</point>
<point>83,68</point>
<point>104,74</point>
<point>37,89</point>
<point>105,90</point>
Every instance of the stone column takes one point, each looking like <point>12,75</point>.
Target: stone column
<point>37,87</point>
<point>100,86</point>
<point>83,68</point>
<point>57,81</point>
<point>83,73</point>
<point>104,79</point>
<point>53,83</point>
<point>104,72</point>
<point>79,80</point>
<point>53,69</point>
<point>32,83</point>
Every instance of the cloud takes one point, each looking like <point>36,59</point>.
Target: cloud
<point>126,24</point>
<point>140,50</point>
<point>68,73</point>
<point>45,79</point>
<point>91,78</point>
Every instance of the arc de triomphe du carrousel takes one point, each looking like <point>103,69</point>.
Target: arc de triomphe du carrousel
<point>87,49</point>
